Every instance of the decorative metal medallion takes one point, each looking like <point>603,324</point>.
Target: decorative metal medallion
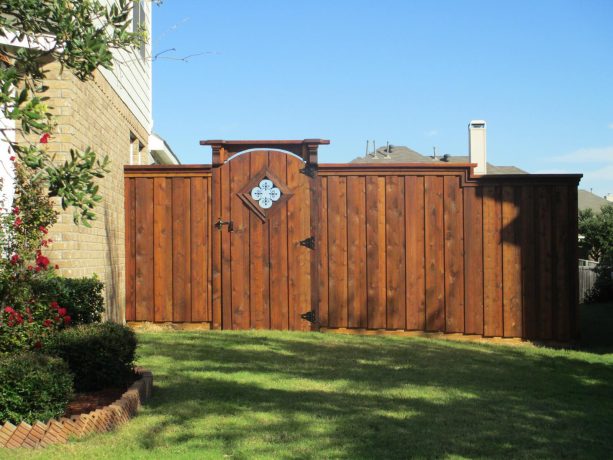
<point>264,193</point>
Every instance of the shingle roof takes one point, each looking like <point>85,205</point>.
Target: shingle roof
<point>402,154</point>
<point>587,200</point>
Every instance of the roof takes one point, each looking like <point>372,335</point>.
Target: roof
<point>161,151</point>
<point>402,154</point>
<point>588,200</point>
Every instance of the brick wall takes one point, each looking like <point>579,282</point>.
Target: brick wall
<point>91,114</point>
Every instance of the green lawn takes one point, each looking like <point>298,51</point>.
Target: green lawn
<point>295,395</point>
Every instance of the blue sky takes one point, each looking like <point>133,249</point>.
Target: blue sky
<point>412,73</point>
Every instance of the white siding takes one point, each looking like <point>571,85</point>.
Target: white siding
<point>131,76</point>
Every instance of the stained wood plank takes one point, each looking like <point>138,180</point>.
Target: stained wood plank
<point>181,258</point>
<point>415,253</point>
<point>511,260</point>
<point>434,245</point>
<point>545,266</point>
<point>357,308</point>
<point>563,244</point>
<point>278,281</point>
<point>226,247</point>
<point>337,250</point>
<point>199,248</point>
<point>216,286</point>
<point>492,262</point>
<point>322,250</point>
<point>299,228</point>
<point>209,265</point>
<point>259,257</point>
<point>573,256</point>
<point>454,255</point>
<point>395,252</point>
<point>239,244</point>
<point>130,223</point>
<point>162,250</point>
<point>375,251</point>
<point>529,262</point>
<point>473,259</point>
<point>144,303</point>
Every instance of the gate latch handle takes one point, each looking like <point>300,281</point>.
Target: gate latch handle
<point>220,223</point>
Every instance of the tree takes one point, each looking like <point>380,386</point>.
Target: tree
<point>597,231</point>
<point>81,35</point>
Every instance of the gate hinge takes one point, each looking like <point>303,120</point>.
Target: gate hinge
<point>309,316</point>
<point>308,242</point>
<point>309,170</point>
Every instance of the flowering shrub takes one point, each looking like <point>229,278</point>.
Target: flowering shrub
<point>26,319</point>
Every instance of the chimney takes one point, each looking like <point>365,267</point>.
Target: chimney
<point>477,150</point>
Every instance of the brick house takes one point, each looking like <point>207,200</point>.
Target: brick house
<point>111,113</point>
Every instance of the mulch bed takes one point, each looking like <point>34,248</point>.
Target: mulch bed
<point>85,402</point>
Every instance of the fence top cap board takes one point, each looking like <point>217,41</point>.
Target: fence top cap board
<point>224,149</point>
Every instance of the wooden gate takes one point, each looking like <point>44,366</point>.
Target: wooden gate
<point>263,262</point>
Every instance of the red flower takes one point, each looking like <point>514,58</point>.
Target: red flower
<point>44,243</point>
<point>14,259</point>
<point>12,158</point>
<point>47,323</point>
<point>30,267</point>
<point>43,229</point>
<point>9,310</point>
<point>37,269</point>
<point>55,305</point>
<point>16,210</point>
<point>42,261</point>
<point>67,319</point>
<point>18,222</point>
<point>62,311</point>
<point>45,138</point>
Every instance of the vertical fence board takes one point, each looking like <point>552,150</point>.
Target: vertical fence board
<point>416,259</point>
<point>322,251</point>
<point>435,265</point>
<point>181,257</point>
<point>395,252</point>
<point>563,244</point>
<point>492,262</point>
<point>239,245</point>
<point>357,314</point>
<point>473,260</point>
<point>299,228</point>
<point>454,255</point>
<point>130,219</point>
<point>225,249</point>
<point>199,248</point>
<point>162,251</point>
<point>144,303</point>
<point>337,250</point>
<point>259,261</point>
<point>529,261</point>
<point>279,294</point>
<point>375,251</point>
<point>511,264</point>
<point>573,257</point>
<point>545,258</point>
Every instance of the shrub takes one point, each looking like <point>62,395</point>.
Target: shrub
<point>34,387</point>
<point>100,355</point>
<point>82,297</point>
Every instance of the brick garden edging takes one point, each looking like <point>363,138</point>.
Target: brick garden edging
<point>98,421</point>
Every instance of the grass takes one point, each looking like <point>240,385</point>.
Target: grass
<point>296,395</point>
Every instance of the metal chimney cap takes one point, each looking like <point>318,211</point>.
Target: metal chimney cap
<point>477,124</point>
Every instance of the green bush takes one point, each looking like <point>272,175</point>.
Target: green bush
<point>99,355</point>
<point>82,297</point>
<point>33,387</point>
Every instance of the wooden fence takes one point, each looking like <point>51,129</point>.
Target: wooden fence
<point>398,247</point>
